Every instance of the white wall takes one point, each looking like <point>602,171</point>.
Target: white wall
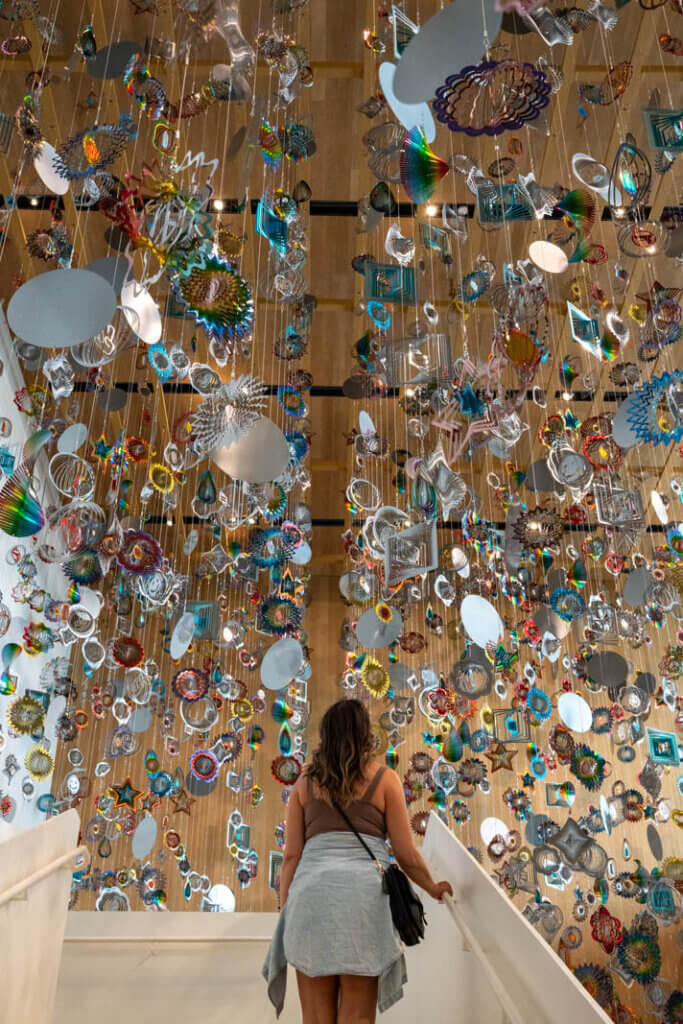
<point>50,578</point>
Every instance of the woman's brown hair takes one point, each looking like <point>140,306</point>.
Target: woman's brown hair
<point>344,750</point>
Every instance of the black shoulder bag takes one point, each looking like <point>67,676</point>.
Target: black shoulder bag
<point>407,911</point>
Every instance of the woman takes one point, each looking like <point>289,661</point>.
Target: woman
<point>335,927</point>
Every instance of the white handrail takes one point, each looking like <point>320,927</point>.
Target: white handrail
<point>165,940</point>
<point>38,876</point>
<point>523,969</point>
<point>506,1004</point>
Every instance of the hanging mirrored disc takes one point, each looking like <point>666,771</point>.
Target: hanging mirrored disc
<point>446,43</point>
<point>549,622</point>
<point>655,843</point>
<point>61,308</point>
<point>372,632</point>
<point>646,682</point>
<point>482,622</point>
<point>141,312</point>
<point>73,438</point>
<point>181,638</point>
<point>113,400</point>
<point>281,663</point>
<point>144,837</point>
<point>46,169</point>
<point>575,712</point>
<point>605,814</point>
<point>110,61</point>
<point>540,479</point>
<point>261,455</point>
<point>199,787</point>
<point>637,582</point>
<point>607,668</point>
<point>302,554</point>
<point>400,676</point>
<point>491,827</point>
<point>365,423</point>
<point>621,430</point>
<point>222,898</point>
<point>113,269</point>
<point>548,257</point>
<point>411,115</point>
<point>140,719</point>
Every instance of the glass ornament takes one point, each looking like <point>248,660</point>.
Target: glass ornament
<point>492,97</point>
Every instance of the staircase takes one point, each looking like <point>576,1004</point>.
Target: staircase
<point>481,960</point>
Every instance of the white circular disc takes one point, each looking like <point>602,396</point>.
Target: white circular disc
<point>281,663</point>
<point>181,638</point>
<point>73,438</point>
<point>222,897</point>
<point>411,115</point>
<point>141,312</point>
<point>491,827</point>
<point>61,308</point>
<point>144,837</point>
<point>44,163</point>
<point>575,712</point>
<point>482,622</point>
<point>621,429</point>
<point>445,44</point>
<point>548,257</point>
<point>365,423</point>
<point>302,554</point>
<point>261,455</point>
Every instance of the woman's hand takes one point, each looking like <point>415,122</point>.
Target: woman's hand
<point>439,889</point>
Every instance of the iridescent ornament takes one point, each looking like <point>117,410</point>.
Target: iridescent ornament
<point>218,298</point>
<point>90,152</point>
<point>139,554</point>
<point>492,97</point>
<point>421,169</point>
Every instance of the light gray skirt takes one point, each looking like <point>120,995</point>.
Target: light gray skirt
<point>337,920</point>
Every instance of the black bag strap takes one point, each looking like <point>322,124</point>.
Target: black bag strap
<point>359,838</point>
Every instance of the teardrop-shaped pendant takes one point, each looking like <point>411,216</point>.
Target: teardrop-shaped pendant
<point>284,740</point>
<point>206,489</point>
<point>104,847</point>
<point>627,851</point>
<point>187,891</point>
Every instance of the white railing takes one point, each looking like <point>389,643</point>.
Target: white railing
<point>529,980</point>
<point>36,866</point>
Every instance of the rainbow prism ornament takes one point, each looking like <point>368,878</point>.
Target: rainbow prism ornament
<point>20,511</point>
<point>421,169</point>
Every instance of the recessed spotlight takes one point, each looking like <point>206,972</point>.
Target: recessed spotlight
<point>33,200</point>
<point>567,395</point>
<point>432,210</point>
<point>218,204</point>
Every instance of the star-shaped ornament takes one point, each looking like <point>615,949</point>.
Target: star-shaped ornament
<point>182,802</point>
<point>126,794</point>
<point>101,449</point>
<point>500,757</point>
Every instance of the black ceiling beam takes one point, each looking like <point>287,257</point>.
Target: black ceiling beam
<point>326,208</point>
<point>336,391</point>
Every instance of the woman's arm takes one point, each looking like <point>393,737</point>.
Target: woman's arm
<point>398,826</point>
<point>294,840</point>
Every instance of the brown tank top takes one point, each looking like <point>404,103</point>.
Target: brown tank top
<point>320,817</point>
